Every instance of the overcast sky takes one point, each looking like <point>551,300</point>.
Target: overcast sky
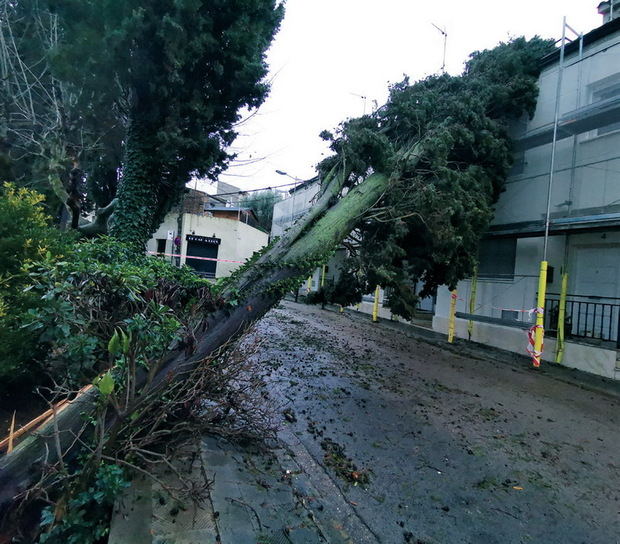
<point>329,53</point>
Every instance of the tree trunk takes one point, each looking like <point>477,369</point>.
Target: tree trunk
<point>305,246</point>
<point>134,214</point>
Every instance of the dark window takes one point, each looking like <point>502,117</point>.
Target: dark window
<point>497,258</point>
<point>161,245</point>
<point>510,315</point>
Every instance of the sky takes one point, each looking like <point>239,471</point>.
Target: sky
<point>329,54</point>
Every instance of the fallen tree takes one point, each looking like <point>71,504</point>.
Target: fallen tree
<point>447,133</point>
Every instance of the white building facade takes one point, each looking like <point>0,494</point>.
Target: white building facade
<point>584,218</point>
<point>212,238</point>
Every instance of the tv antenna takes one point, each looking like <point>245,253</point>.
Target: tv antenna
<point>445,41</point>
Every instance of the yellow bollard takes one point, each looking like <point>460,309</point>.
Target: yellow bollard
<point>341,308</point>
<point>323,276</point>
<point>309,284</point>
<point>375,306</point>
<point>452,318</point>
<point>559,349</point>
<point>539,331</point>
<point>472,302</point>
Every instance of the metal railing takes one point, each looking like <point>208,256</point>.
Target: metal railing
<point>590,317</point>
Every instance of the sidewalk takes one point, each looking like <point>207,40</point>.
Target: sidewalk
<point>256,496</point>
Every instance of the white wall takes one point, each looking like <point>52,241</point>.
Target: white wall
<point>170,223</point>
<point>520,293</point>
<point>239,240</point>
<point>593,359</point>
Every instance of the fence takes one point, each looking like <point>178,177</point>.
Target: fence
<point>591,317</point>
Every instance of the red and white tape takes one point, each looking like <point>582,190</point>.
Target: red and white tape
<point>192,257</point>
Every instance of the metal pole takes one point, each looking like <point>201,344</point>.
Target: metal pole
<point>445,43</point>
<point>554,141</point>
<point>472,302</point>
<point>559,349</point>
<point>323,276</point>
<point>375,306</point>
<point>539,330</point>
<point>452,318</point>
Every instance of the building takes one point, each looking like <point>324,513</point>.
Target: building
<point>290,209</point>
<point>211,234</point>
<point>584,218</point>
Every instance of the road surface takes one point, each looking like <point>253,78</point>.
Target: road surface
<point>427,444</point>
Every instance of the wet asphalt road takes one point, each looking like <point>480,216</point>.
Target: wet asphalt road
<point>429,446</point>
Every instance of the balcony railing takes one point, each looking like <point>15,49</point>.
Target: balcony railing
<point>588,317</point>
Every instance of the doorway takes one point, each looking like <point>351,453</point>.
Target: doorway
<point>206,250</point>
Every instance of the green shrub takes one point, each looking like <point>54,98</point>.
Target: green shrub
<point>26,234</point>
<point>26,238</point>
<point>102,287</point>
<point>84,520</point>
<point>61,300</point>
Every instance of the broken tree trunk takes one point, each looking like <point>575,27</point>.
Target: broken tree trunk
<point>259,287</point>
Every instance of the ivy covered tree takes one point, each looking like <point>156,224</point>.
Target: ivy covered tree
<point>179,72</point>
<point>425,229</point>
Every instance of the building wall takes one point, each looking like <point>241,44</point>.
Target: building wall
<point>170,223</point>
<point>239,240</point>
<point>586,182</point>
<point>593,359</point>
<point>592,260</point>
<point>586,165</point>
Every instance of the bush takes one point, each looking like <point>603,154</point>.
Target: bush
<point>26,234</point>
<point>26,238</point>
<point>62,300</point>
<point>103,287</point>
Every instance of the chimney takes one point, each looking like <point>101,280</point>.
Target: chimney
<point>605,9</point>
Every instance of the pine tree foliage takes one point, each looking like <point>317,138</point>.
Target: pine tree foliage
<point>426,228</point>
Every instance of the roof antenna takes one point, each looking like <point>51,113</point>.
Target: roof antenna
<point>445,40</point>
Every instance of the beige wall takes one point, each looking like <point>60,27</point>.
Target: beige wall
<point>239,241</point>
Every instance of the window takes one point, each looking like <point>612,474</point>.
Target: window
<point>497,258</point>
<point>510,315</point>
<point>606,89</point>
